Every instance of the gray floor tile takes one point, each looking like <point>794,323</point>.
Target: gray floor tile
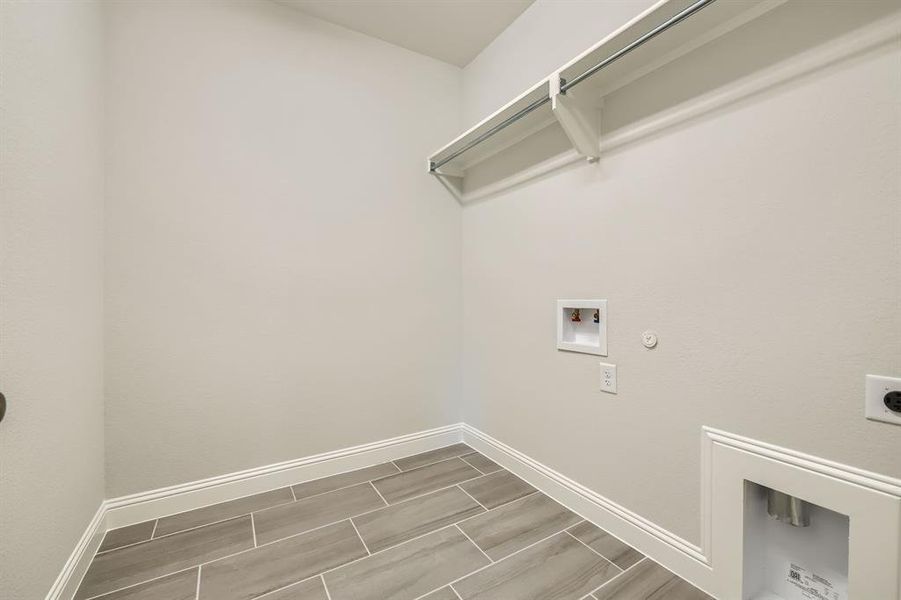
<point>125,536</point>
<point>497,488</point>
<point>648,581</point>
<point>432,456</point>
<point>274,566</point>
<point>222,511</point>
<point>328,484</point>
<point>514,526</point>
<point>135,564</point>
<point>619,553</point>
<point>406,485</point>
<point>401,522</point>
<point>289,519</point>
<point>679,589</point>
<point>311,589</point>
<point>481,462</point>
<point>559,568</point>
<point>180,586</point>
<point>443,594</point>
<point>407,571</point>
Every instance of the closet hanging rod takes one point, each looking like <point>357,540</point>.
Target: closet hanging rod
<point>434,166</point>
<point>566,85</point>
<point>674,20</point>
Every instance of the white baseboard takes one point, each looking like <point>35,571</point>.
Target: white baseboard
<point>873,500</point>
<point>135,508</point>
<point>67,582</point>
<point>673,552</point>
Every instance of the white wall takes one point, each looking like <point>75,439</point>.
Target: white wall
<point>760,240</point>
<point>548,34</point>
<point>51,203</point>
<point>283,277</point>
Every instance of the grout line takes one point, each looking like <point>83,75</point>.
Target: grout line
<point>441,489</point>
<point>252,512</point>
<point>199,508</point>
<point>325,587</point>
<point>473,543</point>
<point>499,468</point>
<point>99,551</point>
<point>354,525</point>
<point>620,575</point>
<point>456,593</point>
<point>328,525</point>
<point>532,493</point>
<point>497,507</point>
<point>311,530</point>
<point>613,564</point>
<point>134,585</point>
<point>386,549</point>
<point>437,462</point>
<point>290,487</point>
<point>356,560</point>
<point>473,497</point>
<point>343,487</point>
<point>290,585</point>
<point>217,522</point>
<point>253,528</point>
<point>488,566</point>
<point>379,493</point>
<point>363,557</point>
<point>197,592</point>
<point>107,551</point>
<point>230,556</point>
<point>473,451</point>
<point>463,458</point>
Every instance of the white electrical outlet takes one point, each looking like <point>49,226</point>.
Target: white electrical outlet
<point>608,378</point>
<point>877,388</point>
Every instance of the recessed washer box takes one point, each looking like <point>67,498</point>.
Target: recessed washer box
<point>582,326</point>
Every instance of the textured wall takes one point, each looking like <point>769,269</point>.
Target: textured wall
<point>547,35</point>
<point>760,240</point>
<point>283,277</point>
<point>51,203</point>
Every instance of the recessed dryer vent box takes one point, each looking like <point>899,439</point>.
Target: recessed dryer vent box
<point>582,326</point>
<point>785,562</point>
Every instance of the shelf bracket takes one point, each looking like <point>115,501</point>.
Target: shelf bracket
<point>580,118</point>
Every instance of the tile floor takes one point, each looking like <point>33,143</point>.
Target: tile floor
<point>448,524</point>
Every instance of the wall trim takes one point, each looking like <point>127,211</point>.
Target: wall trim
<point>871,501</point>
<point>715,565</point>
<point>873,481</point>
<point>135,508</point>
<point>77,564</point>
<point>648,527</point>
<point>686,559</point>
<point>716,574</point>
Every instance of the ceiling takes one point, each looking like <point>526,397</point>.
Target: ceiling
<point>454,31</point>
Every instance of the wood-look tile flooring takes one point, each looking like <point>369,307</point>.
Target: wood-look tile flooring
<point>448,524</point>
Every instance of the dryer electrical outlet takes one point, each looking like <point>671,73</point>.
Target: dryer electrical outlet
<point>880,399</point>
